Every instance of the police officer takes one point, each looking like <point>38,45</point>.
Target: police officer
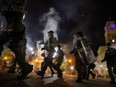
<point>81,45</point>
<point>50,44</point>
<point>14,33</point>
<point>110,58</point>
<point>44,61</point>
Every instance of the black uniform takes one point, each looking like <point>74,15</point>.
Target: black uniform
<point>81,46</point>
<point>44,63</point>
<point>90,68</point>
<point>14,33</point>
<point>49,45</point>
<point>110,58</point>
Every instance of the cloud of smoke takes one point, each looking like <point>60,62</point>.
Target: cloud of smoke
<point>50,21</point>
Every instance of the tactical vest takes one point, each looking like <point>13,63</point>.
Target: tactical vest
<point>52,42</point>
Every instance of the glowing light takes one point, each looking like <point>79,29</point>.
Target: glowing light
<point>5,58</point>
<point>112,26</point>
<point>69,60</point>
<point>32,63</point>
<point>113,40</point>
<point>56,49</point>
<point>101,66</point>
<point>32,52</point>
<point>55,54</point>
<point>30,48</point>
<point>72,67</point>
<point>106,68</point>
<point>37,60</point>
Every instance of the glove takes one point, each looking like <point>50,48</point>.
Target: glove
<point>71,52</point>
<point>102,61</point>
<point>42,48</point>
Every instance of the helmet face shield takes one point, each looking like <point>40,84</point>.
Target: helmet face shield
<point>51,32</point>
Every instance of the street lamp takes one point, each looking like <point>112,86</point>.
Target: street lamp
<point>5,58</point>
<point>30,48</point>
<point>32,52</point>
<point>72,67</point>
<point>113,40</point>
<point>69,60</point>
<point>101,66</point>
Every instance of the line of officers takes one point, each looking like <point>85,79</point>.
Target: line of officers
<point>81,50</point>
<point>81,61</point>
<point>14,33</point>
<point>84,58</point>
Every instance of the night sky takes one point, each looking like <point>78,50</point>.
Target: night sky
<point>88,16</point>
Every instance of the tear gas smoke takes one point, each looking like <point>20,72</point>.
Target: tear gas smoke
<point>50,21</point>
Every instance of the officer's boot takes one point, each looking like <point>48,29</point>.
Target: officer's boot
<point>24,72</point>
